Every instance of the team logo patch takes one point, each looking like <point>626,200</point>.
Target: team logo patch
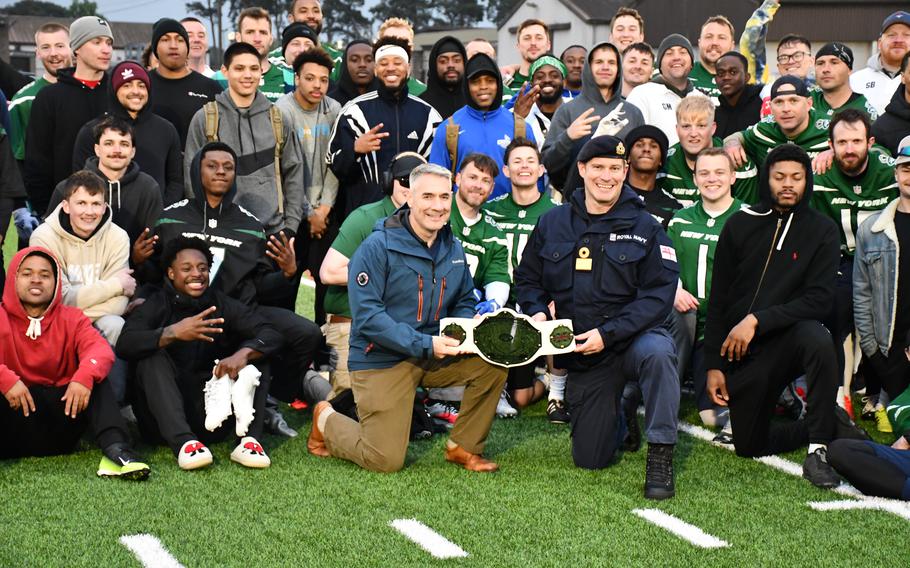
<point>362,279</point>
<point>127,74</point>
<point>667,253</point>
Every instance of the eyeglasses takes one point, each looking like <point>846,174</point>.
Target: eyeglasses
<point>794,57</point>
<point>404,181</point>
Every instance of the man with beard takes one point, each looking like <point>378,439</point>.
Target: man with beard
<point>880,78</point>
<point>647,146</point>
<point>833,64</point>
<point>715,39</point>
<point>377,126</point>
<point>308,12</point>
<point>533,41</point>
<point>199,46</point>
<point>52,47</point>
<point>600,107</point>
<point>179,91</point>
<point>548,76</point>
<point>637,66</point>
<point>445,77</point>
<point>357,72</point>
<point>860,183</point>
<point>402,29</point>
<point>573,57</point>
<point>739,103</point>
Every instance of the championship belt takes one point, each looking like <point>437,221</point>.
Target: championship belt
<point>509,339</point>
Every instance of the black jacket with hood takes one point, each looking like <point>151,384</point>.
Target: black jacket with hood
<point>444,99</point>
<point>559,151</point>
<point>241,269</point>
<point>58,112</point>
<point>159,152</point>
<point>779,267</point>
<point>894,123</point>
<point>745,113</point>
<point>135,199</point>
<point>344,89</point>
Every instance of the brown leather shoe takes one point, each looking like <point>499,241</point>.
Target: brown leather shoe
<point>471,462</point>
<point>315,443</point>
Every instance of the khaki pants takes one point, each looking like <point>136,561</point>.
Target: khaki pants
<point>379,442</point>
<point>338,337</point>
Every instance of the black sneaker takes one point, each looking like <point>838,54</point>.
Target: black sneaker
<point>659,472</point>
<point>723,438</point>
<point>121,461</point>
<point>846,428</point>
<point>557,412</point>
<point>275,424</point>
<point>630,399</point>
<point>818,472</point>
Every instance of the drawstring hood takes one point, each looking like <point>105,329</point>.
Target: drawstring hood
<point>34,328</point>
<point>114,187</point>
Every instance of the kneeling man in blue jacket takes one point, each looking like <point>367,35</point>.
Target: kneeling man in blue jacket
<point>405,277</point>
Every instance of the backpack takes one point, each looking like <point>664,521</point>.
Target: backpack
<point>211,135</point>
<point>520,131</point>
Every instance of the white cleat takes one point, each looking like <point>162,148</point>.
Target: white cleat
<point>217,393</point>
<point>242,393</point>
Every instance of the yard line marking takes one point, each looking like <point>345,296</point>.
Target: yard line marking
<point>899,508</point>
<point>870,503</point>
<point>428,539</point>
<point>680,528</point>
<point>149,551</point>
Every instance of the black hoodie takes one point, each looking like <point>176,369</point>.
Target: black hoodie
<point>780,267</point>
<point>159,152</point>
<point>58,112</point>
<point>345,89</point>
<point>241,269</point>
<point>135,199</point>
<point>444,99</point>
<point>731,119</point>
<point>894,123</point>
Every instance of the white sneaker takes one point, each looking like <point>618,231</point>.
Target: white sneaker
<point>242,392</point>
<point>217,395</point>
<point>249,453</point>
<point>194,455</point>
<point>503,408</point>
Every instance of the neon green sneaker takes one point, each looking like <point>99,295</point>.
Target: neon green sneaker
<point>107,468</point>
<point>882,424</point>
<point>121,461</point>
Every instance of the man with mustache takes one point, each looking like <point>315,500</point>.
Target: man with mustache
<point>882,75</point>
<point>715,39</point>
<point>573,57</point>
<point>445,77</point>
<point>355,73</point>
<point>533,41</point>
<point>833,64</point>
<point>548,76</point>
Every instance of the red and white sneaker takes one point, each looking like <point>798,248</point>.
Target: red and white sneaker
<point>249,453</point>
<point>193,455</point>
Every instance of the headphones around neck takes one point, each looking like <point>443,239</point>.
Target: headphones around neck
<point>388,179</point>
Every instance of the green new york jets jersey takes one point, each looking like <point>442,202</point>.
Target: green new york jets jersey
<point>679,180</point>
<point>764,136</point>
<point>850,201</point>
<point>704,80</point>
<point>485,248</point>
<point>695,234</point>
<point>20,109</point>
<point>517,222</point>
<point>857,101</point>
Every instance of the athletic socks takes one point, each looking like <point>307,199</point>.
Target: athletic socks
<point>323,418</point>
<point>557,386</point>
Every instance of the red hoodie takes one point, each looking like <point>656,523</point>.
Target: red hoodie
<point>68,349</point>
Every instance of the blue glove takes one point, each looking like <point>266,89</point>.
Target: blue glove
<point>25,222</point>
<point>486,307</point>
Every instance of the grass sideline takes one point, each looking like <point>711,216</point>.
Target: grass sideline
<point>538,511</point>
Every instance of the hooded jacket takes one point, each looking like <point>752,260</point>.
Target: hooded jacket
<point>779,267</point>
<point>559,151</point>
<point>745,113</point>
<point>67,348</point>
<point>344,89</point>
<point>58,112</point>
<point>444,99</point>
<point>249,132</point>
<point>409,122</point>
<point>134,200</point>
<point>875,83</point>
<point>159,152</point>
<point>894,124</point>
<point>629,287</point>
<point>87,266</point>
<point>241,269</point>
<point>487,131</point>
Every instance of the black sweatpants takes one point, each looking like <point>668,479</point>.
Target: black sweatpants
<point>310,254</point>
<point>755,385</point>
<point>302,338</point>
<point>872,468</point>
<point>48,431</point>
<point>170,404</point>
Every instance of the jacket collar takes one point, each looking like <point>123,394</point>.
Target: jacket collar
<point>885,221</point>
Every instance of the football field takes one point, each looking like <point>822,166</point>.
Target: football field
<point>539,510</point>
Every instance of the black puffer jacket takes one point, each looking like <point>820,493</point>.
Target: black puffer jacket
<point>894,124</point>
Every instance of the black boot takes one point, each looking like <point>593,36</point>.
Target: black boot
<point>273,420</point>
<point>659,472</point>
<point>631,398</point>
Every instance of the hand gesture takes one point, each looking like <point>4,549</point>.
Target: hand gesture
<point>582,125</point>
<point>127,282</point>
<point>684,301</point>
<point>737,153</point>
<point>282,252</point>
<point>525,100</point>
<point>717,387</point>
<point>230,366</point>
<point>76,398</point>
<point>446,347</point>
<point>197,327</point>
<point>589,342</point>
<point>613,123</point>
<point>370,141</point>
<point>737,342</point>
<point>19,397</point>
<point>144,247</point>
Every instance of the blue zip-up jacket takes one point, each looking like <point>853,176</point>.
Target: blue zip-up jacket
<point>627,289</point>
<point>487,131</point>
<point>399,289</point>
